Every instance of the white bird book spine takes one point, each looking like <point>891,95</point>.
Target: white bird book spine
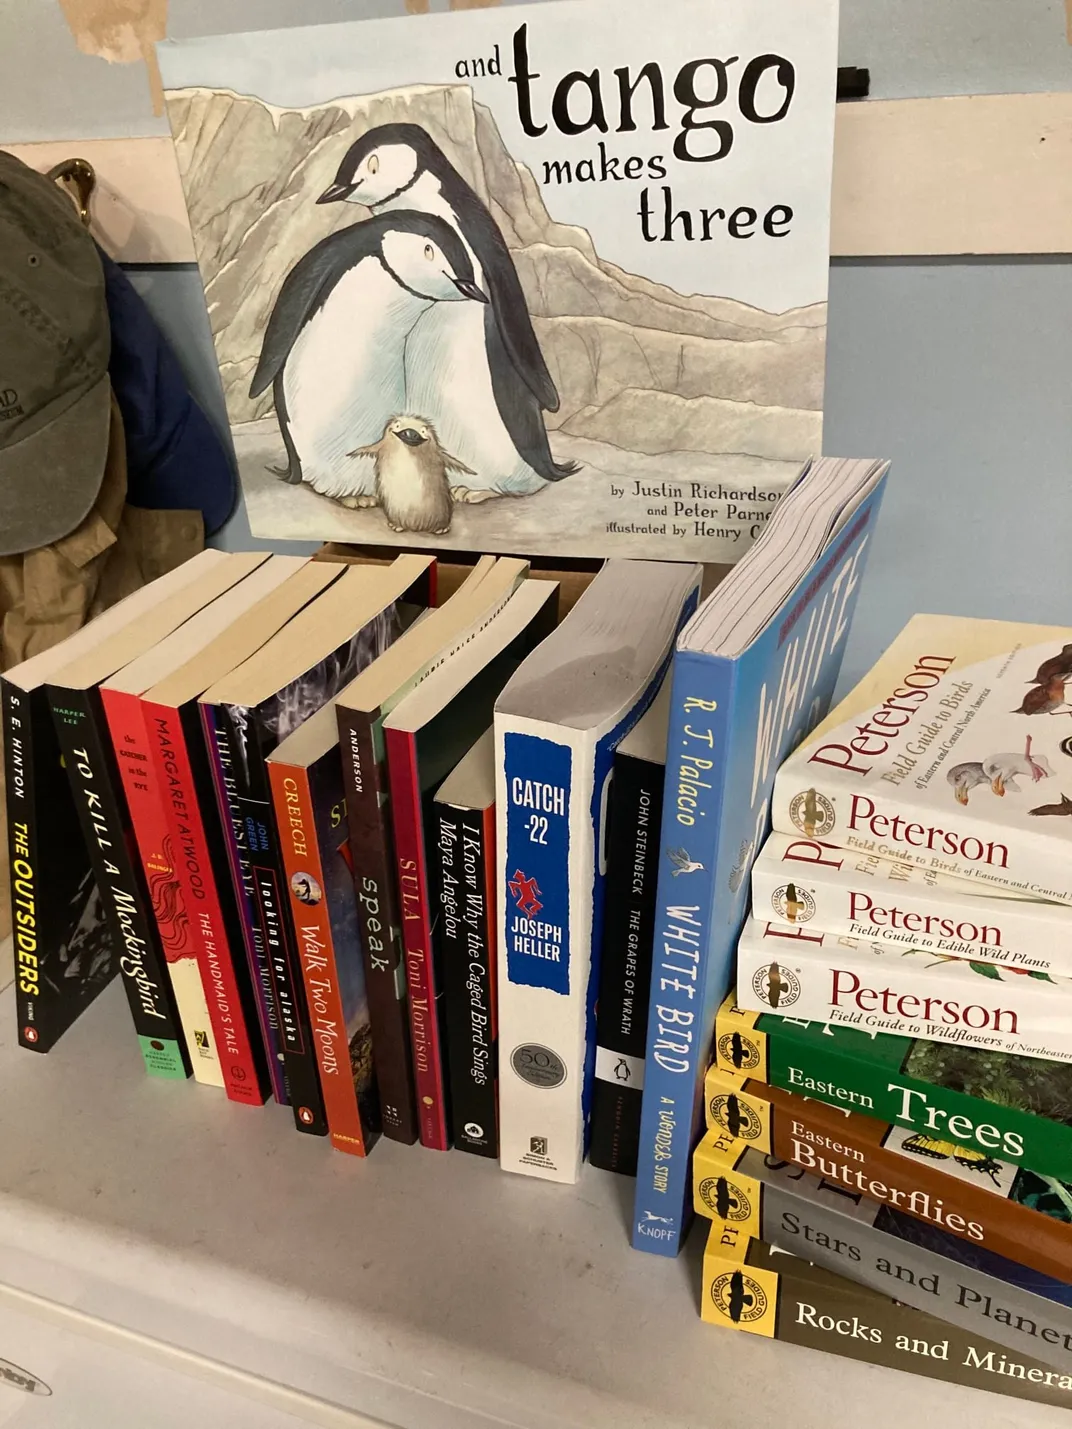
<point>954,753</point>
<point>875,989</point>
<point>799,882</point>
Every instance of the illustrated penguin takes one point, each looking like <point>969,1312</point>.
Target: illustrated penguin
<point>479,377</point>
<point>411,476</point>
<point>335,343</point>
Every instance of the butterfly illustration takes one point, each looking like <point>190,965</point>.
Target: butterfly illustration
<point>936,1150</point>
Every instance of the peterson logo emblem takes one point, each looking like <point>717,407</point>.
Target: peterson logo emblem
<point>725,1199</point>
<point>812,814</point>
<point>525,893</point>
<point>735,1116</point>
<point>739,1051</point>
<point>739,1298</point>
<point>793,903</point>
<point>777,986</point>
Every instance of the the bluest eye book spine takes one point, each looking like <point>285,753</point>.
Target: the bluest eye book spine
<point>90,763</point>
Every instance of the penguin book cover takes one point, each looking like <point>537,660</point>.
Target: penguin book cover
<point>517,279</point>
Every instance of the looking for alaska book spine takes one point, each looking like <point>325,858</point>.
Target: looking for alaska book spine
<point>924,1177</point>
<point>1018,1108</point>
<point>90,764</point>
<point>749,1287</point>
<point>799,881</point>
<point>798,973</point>
<point>948,754</point>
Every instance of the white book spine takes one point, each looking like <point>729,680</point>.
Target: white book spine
<point>546,879</point>
<point>845,982</point>
<point>799,882</point>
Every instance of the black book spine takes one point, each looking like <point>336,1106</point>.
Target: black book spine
<point>465,857</point>
<point>87,753</point>
<point>625,969</point>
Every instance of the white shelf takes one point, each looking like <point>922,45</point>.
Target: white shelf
<point>425,1290</point>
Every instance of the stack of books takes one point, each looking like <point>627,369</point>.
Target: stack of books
<point>891,1092</point>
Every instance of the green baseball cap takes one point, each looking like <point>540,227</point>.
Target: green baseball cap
<point>55,397</point>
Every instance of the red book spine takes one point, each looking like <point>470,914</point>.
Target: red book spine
<point>293,801</point>
<point>242,1077</point>
<point>416,907</point>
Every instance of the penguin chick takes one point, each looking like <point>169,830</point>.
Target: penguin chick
<point>411,476</point>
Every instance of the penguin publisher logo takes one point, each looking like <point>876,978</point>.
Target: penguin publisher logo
<point>725,1199</point>
<point>812,813</point>
<point>732,1114</point>
<point>739,1051</point>
<point>777,986</point>
<point>793,903</point>
<point>739,1298</point>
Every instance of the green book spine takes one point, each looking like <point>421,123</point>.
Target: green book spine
<point>1018,1109</point>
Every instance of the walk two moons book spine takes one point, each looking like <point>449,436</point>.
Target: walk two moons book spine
<point>501,280</point>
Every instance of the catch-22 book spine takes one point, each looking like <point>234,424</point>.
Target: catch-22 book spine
<point>746,1193</point>
<point>854,1151</point>
<point>95,784</point>
<point>885,1077</point>
<point>636,802</point>
<point>465,847</point>
<point>751,1287</point>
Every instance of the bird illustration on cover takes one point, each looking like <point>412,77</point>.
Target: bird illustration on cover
<point>415,310</point>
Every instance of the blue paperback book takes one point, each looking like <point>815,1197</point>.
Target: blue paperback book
<point>754,670</point>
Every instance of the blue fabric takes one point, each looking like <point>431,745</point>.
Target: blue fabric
<point>175,460</point>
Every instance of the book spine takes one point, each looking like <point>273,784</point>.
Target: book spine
<point>156,850</point>
<point>417,934</point>
<point>625,966</point>
<point>466,855</point>
<point>800,973</point>
<point>293,802</point>
<point>372,856</point>
<point>795,1212</point>
<point>802,882</point>
<point>798,1307</point>
<point>94,783</point>
<point>31,996</point>
<point>770,1049</point>
<point>189,817</point>
<point>223,762</point>
<point>841,1150</point>
<point>683,974</point>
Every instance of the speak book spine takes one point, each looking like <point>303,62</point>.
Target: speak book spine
<point>465,847</point>
<point>415,901</point>
<point>293,800</point>
<point>372,855</point>
<point>753,1195</point>
<point>183,775</point>
<point>625,968</point>
<point>815,1061</point>
<point>686,959</point>
<point>87,754</point>
<point>785,1298</point>
<point>156,850</point>
<point>845,1151</point>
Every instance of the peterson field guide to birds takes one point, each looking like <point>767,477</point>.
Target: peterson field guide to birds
<point>517,280</point>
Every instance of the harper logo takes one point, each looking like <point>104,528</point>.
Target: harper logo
<point>793,903</point>
<point>739,1298</point>
<point>16,1378</point>
<point>732,1114</point>
<point>725,1199</point>
<point>10,406</point>
<point>776,986</point>
<point>739,1051</point>
<point>812,813</point>
<point>525,893</point>
<point>474,1130</point>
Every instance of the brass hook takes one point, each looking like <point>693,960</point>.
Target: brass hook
<point>81,174</point>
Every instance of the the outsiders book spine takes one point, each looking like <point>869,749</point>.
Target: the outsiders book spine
<point>372,854</point>
<point>185,780</point>
<point>90,765</point>
<point>465,847</point>
<point>969,1195</point>
<point>64,953</point>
